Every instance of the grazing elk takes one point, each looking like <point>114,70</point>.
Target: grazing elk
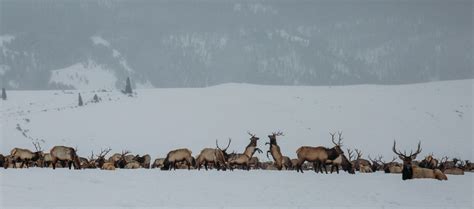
<point>179,155</point>
<point>319,156</point>
<point>429,162</point>
<point>243,159</point>
<point>159,163</point>
<point>25,156</point>
<point>217,156</point>
<point>275,150</point>
<point>144,160</point>
<point>65,154</point>
<point>450,167</point>
<point>411,171</point>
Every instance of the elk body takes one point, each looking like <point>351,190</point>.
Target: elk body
<point>65,154</point>
<point>410,171</point>
<point>243,159</point>
<point>176,156</point>
<point>360,162</point>
<point>319,155</point>
<point>392,166</point>
<point>429,162</point>
<point>217,156</point>
<point>25,156</point>
<point>376,163</point>
<point>449,167</point>
<point>275,150</point>
<point>158,163</point>
<point>343,162</point>
<point>144,161</point>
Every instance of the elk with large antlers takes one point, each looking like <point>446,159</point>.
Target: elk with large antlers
<point>343,162</point>
<point>411,171</point>
<point>376,163</point>
<point>275,150</point>
<point>217,156</point>
<point>244,158</point>
<point>319,155</point>
<point>360,162</point>
<point>65,154</point>
<point>26,156</point>
<point>450,167</point>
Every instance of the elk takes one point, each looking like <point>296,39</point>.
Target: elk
<point>343,162</point>
<point>294,162</point>
<point>26,156</point>
<point>319,155</point>
<point>108,166</point>
<point>429,162</point>
<point>158,163</point>
<point>392,166</point>
<point>179,155</point>
<point>244,158</point>
<point>287,163</point>
<point>360,162</point>
<point>144,160</point>
<point>410,171</point>
<point>255,163</point>
<point>275,150</point>
<point>132,165</point>
<point>124,159</point>
<point>217,156</point>
<point>376,163</point>
<point>65,154</point>
<point>2,160</point>
<point>449,167</point>
<point>100,161</point>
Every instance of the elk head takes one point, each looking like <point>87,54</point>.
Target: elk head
<point>273,137</point>
<point>253,139</point>
<point>39,152</point>
<point>407,172</point>
<point>224,151</point>
<point>101,157</point>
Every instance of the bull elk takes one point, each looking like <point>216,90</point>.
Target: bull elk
<point>217,156</point>
<point>26,156</point>
<point>144,160</point>
<point>343,162</point>
<point>319,156</point>
<point>275,150</point>
<point>361,163</point>
<point>244,158</point>
<point>100,161</point>
<point>410,171</point>
<point>429,162</point>
<point>65,154</point>
<point>376,163</point>
<point>176,156</point>
<point>450,167</point>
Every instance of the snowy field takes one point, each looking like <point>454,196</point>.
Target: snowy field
<point>155,121</point>
<point>45,188</point>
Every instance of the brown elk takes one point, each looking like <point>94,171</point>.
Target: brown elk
<point>159,162</point>
<point>275,150</point>
<point>124,159</point>
<point>411,171</point>
<point>450,167</point>
<point>108,166</point>
<point>65,154</point>
<point>287,165</point>
<point>360,162</point>
<point>99,162</point>
<point>255,163</point>
<point>244,158</point>
<point>26,156</point>
<point>217,156</point>
<point>376,163</point>
<point>392,166</point>
<point>343,162</point>
<point>179,155</point>
<point>319,155</point>
<point>144,161</point>
<point>2,160</point>
<point>429,162</point>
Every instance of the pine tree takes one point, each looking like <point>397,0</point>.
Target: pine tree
<point>128,87</point>
<point>80,100</point>
<point>4,94</point>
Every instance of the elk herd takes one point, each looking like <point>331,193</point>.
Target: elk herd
<point>317,158</point>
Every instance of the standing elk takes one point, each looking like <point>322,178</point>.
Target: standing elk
<point>25,156</point>
<point>244,158</point>
<point>176,156</point>
<point>217,156</point>
<point>343,162</point>
<point>275,150</point>
<point>413,172</point>
<point>65,154</point>
<point>319,155</point>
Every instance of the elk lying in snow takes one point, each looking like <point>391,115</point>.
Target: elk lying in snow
<point>217,156</point>
<point>176,156</point>
<point>411,171</point>
<point>376,163</point>
<point>144,161</point>
<point>26,156</point>
<point>450,167</point>
<point>159,163</point>
<point>361,163</point>
<point>108,166</point>
<point>255,163</point>
<point>65,154</point>
<point>429,162</point>
<point>275,150</point>
<point>244,158</point>
<point>392,166</point>
<point>319,155</point>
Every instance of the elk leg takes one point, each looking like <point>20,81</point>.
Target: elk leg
<point>325,168</point>
<point>205,164</point>
<point>23,164</point>
<point>69,164</point>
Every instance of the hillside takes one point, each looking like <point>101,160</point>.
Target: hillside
<point>158,120</point>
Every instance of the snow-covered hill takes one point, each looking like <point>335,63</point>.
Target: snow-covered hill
<point>157,120</point>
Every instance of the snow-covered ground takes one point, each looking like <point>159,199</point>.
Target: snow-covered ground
<point>45,188</point>
<point>158,120</point>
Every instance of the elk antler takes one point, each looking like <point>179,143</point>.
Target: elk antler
<point>125,152</point>
<point>359,153</point>
<point>412,155</point>
<point>37,146</point>
<point>252,135</point>
<point>279,133</point>
<point>217,145</point>
<point>350,153</point>
<point>103,153</point>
